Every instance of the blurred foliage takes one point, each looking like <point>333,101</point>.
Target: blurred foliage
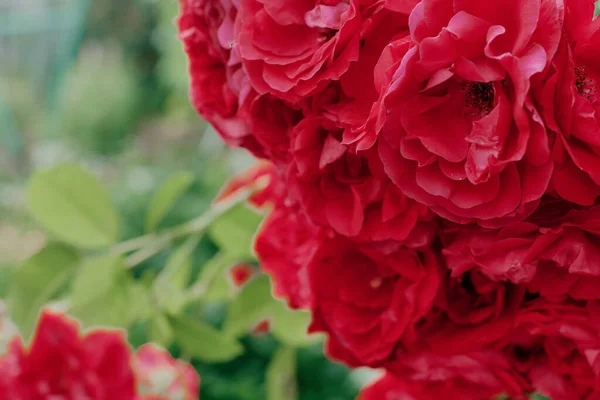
<point>159,288</point>
<point>99,104</point>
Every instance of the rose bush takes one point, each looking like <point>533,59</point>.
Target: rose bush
<point>437,169</point>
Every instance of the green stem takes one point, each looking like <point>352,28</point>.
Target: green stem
<point>146,246</point>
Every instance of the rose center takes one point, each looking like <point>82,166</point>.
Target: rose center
<point>479,97</point>
<point>585,86</point>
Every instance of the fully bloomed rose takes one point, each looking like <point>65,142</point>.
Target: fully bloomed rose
<point>462,133</point>
<point>61,364</point>
<point>160,377</point>
<point>294,49</point>
<point>220,89</point>
<point>555,257</point>
<point>557,346</point>
<point>571,105</point>
<point>367,301</point>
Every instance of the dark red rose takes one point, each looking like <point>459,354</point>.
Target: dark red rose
<point>476,375</point>
<point>557,259</point>
<point>345,190</point>
<point>62,364</point>
<point>393,387</point>
<point>472,313</point>
<point>285,244</point>
<point>366,300</point>
<point>557,346</point>
<point>571,105</point>
<point>220,89</point>
<point>462,133</point>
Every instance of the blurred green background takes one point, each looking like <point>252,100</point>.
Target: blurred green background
<point>103,84</point>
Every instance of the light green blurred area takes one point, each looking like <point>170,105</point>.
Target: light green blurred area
<point>102,83</point>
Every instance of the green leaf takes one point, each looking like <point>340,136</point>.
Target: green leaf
<point>234,232</point>
<point>103,293</point>
<point>168,288</point>
<point>72,204</point>
<point>140,304</point>
<point>204,342</point>
<point>159,330</point>
<point>281,375</point>
<point>214,280</point>
<point>291,326</point>
<point>37,281</point>
<point>538,396</point>
<point>253,304</point>
<point>166,196</point>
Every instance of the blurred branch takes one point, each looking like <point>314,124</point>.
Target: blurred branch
<point>146,246</point>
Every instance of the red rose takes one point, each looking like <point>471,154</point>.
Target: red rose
<point>557,346</point>
<point>557,259</point>
<point>571,105</point>
<point>285,244</point>
<point>160,376</point>
<point>366,300</point>
<point>62,364</point>
<point>294,49</point>
<point>462,133</point>
<point>393,387</point>
<point>345,190</point>
<point>220,89</point>
<point>474,375</point>
<point>472,313</point>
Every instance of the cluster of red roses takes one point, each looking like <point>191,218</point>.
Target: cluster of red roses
<point>62,365</point>
<point>436,166</point>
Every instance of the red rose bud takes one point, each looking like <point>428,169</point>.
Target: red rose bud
<point>241,273</point>
<point>262,328</point>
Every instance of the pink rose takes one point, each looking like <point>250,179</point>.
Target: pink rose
<point>160,376</point>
